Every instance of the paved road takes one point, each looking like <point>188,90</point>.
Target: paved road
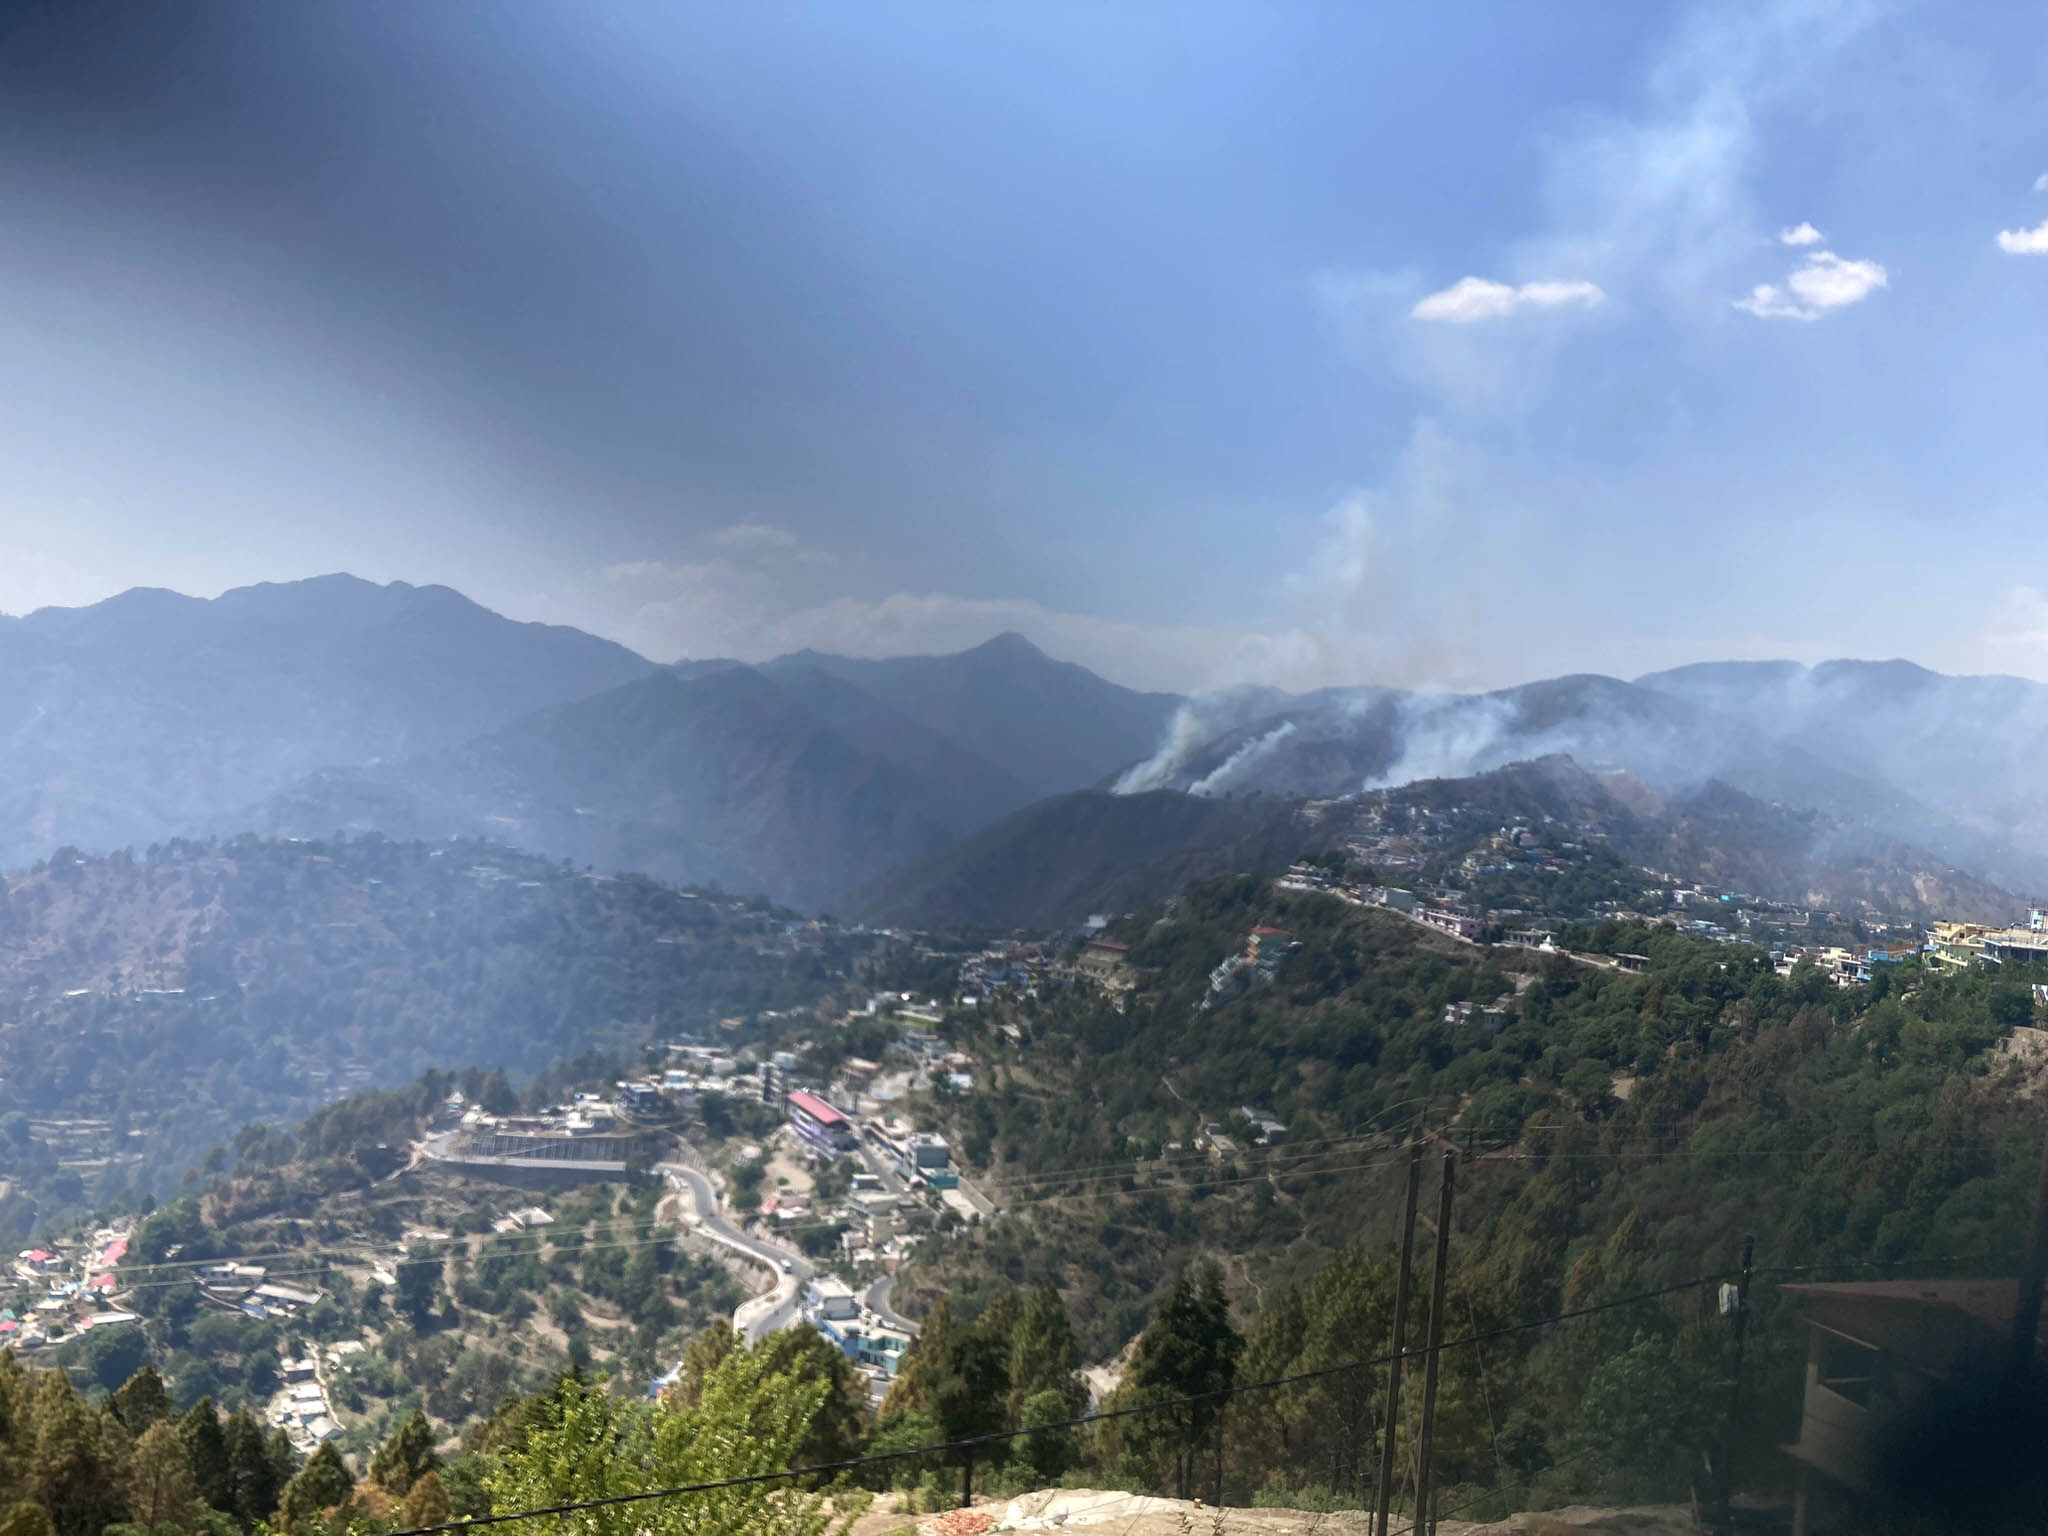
<point>879,1165</point>
<point>877,1299</point>
<point>773,1309</point>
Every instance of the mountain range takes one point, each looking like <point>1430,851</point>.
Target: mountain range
<point>1944,763</point>
<point>901,786</point>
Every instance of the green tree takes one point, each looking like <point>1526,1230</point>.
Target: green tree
<point>1048,1452</point>
<point>428,1503</point>
<point>141,1401</point>
<point>1189,1350</point>
<point>284,1458</point>
<point>1042,1357</point>
<point>839,1426</point>
<point>252,1480</point>
<point>419,1285</point>
<point>749,1419</point>
<point>160,1490</point>
<point>116,1353</point>
<point>26,1520</point>
<point>74,1467</point>
<point>322,1483</point>
<point>206,1448</point>
<point>701,1357</point>
<point>406,1457</point>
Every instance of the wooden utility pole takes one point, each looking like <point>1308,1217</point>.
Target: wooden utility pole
<point>1725,1502</point>
<point>2026,1312</point>
<point>1384,1494</point>
<point>1425,1498</point>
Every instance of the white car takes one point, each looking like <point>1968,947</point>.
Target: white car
<point>788,1268</point>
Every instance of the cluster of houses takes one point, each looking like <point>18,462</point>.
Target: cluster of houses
<point>247,1288</point>
<point>64,1290</point>
<point>300,1407</point>
<point>1959,945</point>
<point>831,1306</point>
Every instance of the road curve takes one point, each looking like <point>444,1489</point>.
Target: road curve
<point>877,1299</point>
<point>773,1309</point>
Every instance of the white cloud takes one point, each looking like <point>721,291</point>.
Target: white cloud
<point>1823,282</point>
<point>1767,301</point>
<point>1799,234</point>
<point>2041,182</point>
<point>763,544</point>
<point>1472,299</point>
<point>2025,242</point>
<point>1827,281</point>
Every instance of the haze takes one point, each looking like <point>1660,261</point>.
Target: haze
<point>1200,345</point>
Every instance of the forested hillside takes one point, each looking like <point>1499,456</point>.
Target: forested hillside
<point>1624,1132</point>
<point>152,1004</point>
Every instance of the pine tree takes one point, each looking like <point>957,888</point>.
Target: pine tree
<point>1189,1350</point>
<point>1042,1354</point>
<point>252,1483</point>
<point>840,1424</point>
<point>141,1401</point>
<point>406,1457</point>
<point>323,1482</point>
<point>73,1471</point>
<point>160,1488</point>
<point>916,1387</point>
<point>207,1448</point>
<point>428,1503</point>
<point>284,1457</point>
<point>17,1427</point>
<point>419,1285</point>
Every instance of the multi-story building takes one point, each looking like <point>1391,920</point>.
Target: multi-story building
<point>822,1128</point>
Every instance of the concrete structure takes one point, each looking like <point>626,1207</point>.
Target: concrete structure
<point>1877,1351</point>
<point>822,1128</point>
<point>1105,960</point>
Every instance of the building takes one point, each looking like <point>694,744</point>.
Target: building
<point>640,1098</point>
<point>924,1155</point>
<point>822,1128</point>
<point>827,1297</point>
<point>1963,944</point>
<point>1877,1352</point>
<point>1267,946</point>
<point>1105,959</point>
<point>1460,925</point>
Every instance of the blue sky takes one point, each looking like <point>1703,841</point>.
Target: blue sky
<point>1457,344</point>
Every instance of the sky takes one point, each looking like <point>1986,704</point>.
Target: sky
<point>1452,345</point>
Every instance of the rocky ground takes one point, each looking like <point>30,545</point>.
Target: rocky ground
<point>1125,1514</point>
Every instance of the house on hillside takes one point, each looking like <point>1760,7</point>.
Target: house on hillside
<point>1105,960</point>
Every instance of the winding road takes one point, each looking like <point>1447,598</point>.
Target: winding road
<point>877,1300</point>
<point>773,1309</point>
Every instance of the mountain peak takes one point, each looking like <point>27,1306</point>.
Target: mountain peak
<point>1009,643</point>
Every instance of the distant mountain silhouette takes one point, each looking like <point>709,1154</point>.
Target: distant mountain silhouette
<point>1052,725</point>
<point>804,779</point>
<point>152,713</point>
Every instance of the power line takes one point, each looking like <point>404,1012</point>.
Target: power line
<point>968,1443</point>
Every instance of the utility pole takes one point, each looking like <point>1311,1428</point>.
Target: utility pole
<point>1425,1499</point>
<point>2026,1315</point>
<point>1384,1494</point>
<point>1725,1501</point>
